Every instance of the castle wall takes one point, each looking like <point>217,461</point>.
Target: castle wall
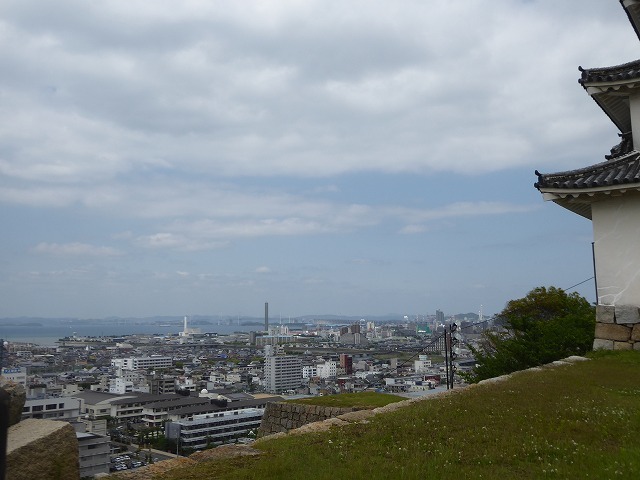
<point>282,417</point>
<point>616,233</point>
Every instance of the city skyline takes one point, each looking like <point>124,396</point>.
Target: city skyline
<point>357,158</point>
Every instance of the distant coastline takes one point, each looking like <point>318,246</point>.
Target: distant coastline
<point>25,324</point>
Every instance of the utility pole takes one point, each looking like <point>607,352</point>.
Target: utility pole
<point>450,342</point>
<point>446,355</point>
<point>4,417</point>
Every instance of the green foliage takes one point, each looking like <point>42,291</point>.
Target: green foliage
<point>546,325</point>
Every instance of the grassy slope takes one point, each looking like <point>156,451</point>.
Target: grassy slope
<point>364,400</point>
<point>571,422</point>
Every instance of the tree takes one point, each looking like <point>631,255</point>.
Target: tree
<point>546,325</point>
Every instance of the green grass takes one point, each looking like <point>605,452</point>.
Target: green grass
<point>569,422</point>
<point>363,401</point>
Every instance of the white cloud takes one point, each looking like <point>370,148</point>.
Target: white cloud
<point>176,241</point>
<point>263,269</point>
<point>411,229</point>
<point>75,249</point>
<point>211,233</point>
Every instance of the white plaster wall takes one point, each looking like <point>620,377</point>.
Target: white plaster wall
<point>616,233</point>
<point>634,111</point>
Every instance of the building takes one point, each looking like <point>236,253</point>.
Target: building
<point>282,373</point>
<point>142,363</point>
<point>156,413</point>
<point>214,428</point>
<point>93,451</point>
<point>161,384</point>
<point>60,408</point>
<point>422,365</point>
<point>221,405</point>
<point>266,340</point>
<point>15,374</point>
<point>120,386</point>
<point>128,407</point>
<point>351,338</point>
<point>309,371</point>
<point>187,332</point>
<point>346,362</point>
<point>607,194</point>
<point>328,369</point>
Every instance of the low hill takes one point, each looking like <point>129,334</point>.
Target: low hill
<point>565,421</point>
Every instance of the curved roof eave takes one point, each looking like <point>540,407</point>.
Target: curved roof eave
<point>632,9</point>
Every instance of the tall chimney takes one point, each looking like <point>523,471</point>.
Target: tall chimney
<point>266,317</point>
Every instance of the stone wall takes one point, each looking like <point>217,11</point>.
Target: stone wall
<point>282,417</point>
<point>617,327</point>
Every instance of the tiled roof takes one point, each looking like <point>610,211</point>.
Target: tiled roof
<point>626,71</point>
<point>633,12</point>
<point>620,171</point>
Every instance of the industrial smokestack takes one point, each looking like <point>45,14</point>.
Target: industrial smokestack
<point>266,317</point>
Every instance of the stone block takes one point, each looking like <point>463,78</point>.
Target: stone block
<point>42,449</point>
<point>622,346</point>
<point>605,313</point>
<point>17,396</point>
<point>635,333</point>
<point>601,344</point>
<point>627,314</point>
<point>607,331</point>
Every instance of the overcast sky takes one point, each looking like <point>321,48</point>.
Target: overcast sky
<point>346,157</point>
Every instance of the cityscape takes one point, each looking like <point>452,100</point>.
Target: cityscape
<point>227,227</point>
<point>194,389</point>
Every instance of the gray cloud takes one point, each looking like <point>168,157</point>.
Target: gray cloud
<point>101,90</point>
<point>143,127</point>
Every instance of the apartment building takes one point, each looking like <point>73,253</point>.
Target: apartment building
<point>142,363</point>
<point>282,373</point>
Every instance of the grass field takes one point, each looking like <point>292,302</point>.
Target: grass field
<point>569,422</point>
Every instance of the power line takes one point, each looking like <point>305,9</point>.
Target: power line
<point>573,286</point>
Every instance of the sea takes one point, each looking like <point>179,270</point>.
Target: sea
<point>47,331</point>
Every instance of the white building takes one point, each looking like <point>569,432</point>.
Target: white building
<point>16,374</point>
<point>214,428</point>
<point>187,332</point>
<point>62,408</point>
<point>309,371</point>
<point>327,369</point>
<point>142,363</point>
<point>422,365</point>
<point>185,383</point>
<point>282,373</point>
<point>120,386</point>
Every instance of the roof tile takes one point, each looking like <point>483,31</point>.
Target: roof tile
<point>620,171</point>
